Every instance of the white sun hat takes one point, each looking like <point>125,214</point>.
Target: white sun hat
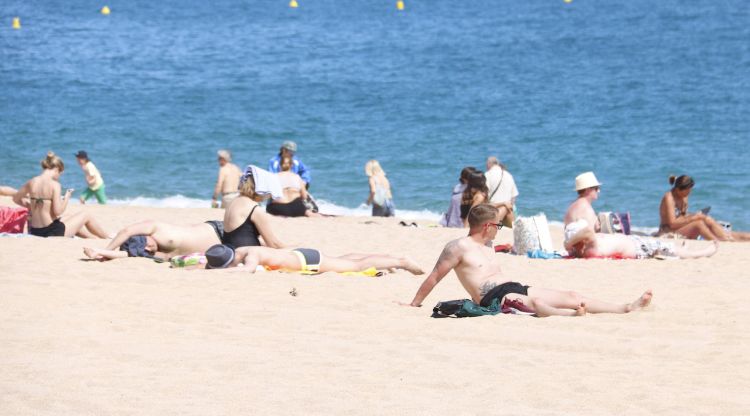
<point>586,180</point>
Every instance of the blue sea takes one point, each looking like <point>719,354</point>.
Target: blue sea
<point>632,90</point>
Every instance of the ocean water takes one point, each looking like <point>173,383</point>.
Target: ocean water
<point>633,90</point>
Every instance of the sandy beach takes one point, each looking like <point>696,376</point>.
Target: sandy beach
<point>135,337</point>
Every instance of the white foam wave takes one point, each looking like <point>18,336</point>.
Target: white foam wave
<point>325,207</point>
<point>363,210</point>
<point>173,201</point>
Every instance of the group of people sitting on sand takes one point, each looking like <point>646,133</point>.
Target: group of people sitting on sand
<point>245,239</point>
<point>583,239</point>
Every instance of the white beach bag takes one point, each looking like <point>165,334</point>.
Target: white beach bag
<point>531,233</point>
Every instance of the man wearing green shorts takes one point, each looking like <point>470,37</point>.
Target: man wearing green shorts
<point>93,179</point>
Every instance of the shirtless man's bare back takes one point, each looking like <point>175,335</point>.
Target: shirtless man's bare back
<point>227,181</point>
<point>162,240</point>
<point>473,260</point>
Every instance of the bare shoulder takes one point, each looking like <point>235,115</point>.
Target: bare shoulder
<point>454,248</point>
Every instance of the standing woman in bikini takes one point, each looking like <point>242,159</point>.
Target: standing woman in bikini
<point>245,222</point>
<point>42,196</point>
<point>475,193</point>
<point>673,212</point>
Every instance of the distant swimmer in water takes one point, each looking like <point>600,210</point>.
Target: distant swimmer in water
<point>675,218</point>
<point>42,196</point>
<point>227,181</point>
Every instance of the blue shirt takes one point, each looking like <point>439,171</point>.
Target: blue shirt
<point>274,165</point>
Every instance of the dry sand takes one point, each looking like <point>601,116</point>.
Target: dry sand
<point>135,337</point>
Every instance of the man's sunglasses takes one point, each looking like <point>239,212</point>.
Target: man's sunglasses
<point>499,225</point>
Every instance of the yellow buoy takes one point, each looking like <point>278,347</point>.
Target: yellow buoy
<point>568,1</point>
<point>105,10</point>
<point>400,5</point>
<point>293,4</point>
<point>16,23</point>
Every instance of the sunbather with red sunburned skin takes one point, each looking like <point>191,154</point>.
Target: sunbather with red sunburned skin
<point>588,244</point>
<point>472,258</point>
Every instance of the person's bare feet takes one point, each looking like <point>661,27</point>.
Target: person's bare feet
<point>580,310</point>
<point>641,302</point>
<point>715,246</point>
<point>92,253</point>
<point>411,266</point>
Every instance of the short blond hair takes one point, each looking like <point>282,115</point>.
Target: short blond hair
<point>481,214</point>
<point>373,168</point>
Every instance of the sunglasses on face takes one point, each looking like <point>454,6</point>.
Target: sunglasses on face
<point>499,225</point>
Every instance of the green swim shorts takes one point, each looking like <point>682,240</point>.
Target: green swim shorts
<point>101,197</point>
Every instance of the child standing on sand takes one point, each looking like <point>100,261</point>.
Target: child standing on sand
<point>93,179</point>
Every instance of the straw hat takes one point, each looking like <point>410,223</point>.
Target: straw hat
<point>586,180</point>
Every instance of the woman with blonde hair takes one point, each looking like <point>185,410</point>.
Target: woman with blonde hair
<point>380,191</point>
<point>675,218</point>
<point>41,195</point>
<point>243,223</point>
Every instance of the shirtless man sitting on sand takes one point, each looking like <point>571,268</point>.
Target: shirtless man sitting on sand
<point>580,213</point>
<point>472,258</point>
<point>159,239</point>
<point>301,259</point>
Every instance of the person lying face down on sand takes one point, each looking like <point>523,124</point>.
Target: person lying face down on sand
<point>586,244</point>
<point>472,258</point>
<point>310,260</point>
<point>159,239</point>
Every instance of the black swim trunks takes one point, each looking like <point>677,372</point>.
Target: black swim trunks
<point>295,208</point>
<point>218,227</point>
<point>55,229</point>
<point>499,292</point>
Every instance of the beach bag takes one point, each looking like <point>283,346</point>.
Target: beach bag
<point>615,222</point>
<point>12,220</point>
<point>464,308</point>
<point>531,233</point>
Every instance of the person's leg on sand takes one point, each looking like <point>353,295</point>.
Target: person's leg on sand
<point>357,262</point>
<point>696,229</point>
<point>558,299</point>
<point>74,223</point>
<point>103,254</point>
<point>684,253</point>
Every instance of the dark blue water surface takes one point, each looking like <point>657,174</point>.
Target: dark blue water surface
<point>633,90</point>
